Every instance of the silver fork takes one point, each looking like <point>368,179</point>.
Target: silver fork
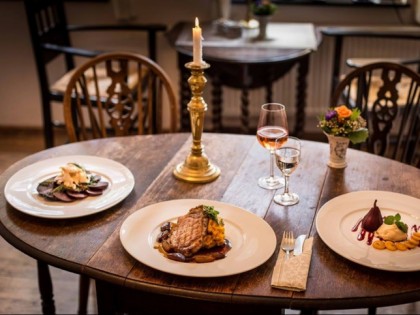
<point>287,242</point>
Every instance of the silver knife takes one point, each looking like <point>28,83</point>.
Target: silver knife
<point>299,245</point>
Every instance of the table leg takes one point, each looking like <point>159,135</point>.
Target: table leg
<point>269,93</point>
<point>245,111</point>
<point>105,297</point>
<point>45,288</point>
<point>303,67</point>
<point>84,285</point>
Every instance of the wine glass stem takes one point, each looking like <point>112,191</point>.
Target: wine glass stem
<point>272,160</point>
<point>286,184</point>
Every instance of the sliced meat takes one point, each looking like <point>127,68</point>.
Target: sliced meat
<point>187,236</point>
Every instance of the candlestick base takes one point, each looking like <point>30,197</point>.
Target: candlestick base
<point>196,167</point>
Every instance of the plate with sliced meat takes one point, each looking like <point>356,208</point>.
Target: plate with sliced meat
<point>69,186</point>
<point>198,238</point>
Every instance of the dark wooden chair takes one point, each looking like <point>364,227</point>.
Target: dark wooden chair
<point>340,33</point>
<point>388,95</point>
<point>51,41</point>
<point>137,97</point>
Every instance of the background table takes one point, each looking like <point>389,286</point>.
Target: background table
<point>243,68</point>
<point>91,246</point>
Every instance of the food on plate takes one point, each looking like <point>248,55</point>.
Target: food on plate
<point>390,231</point>
<point>411,243</point>
<point>74,182</point>
<point>373,219</point>
<point>378,244</point>
<point>198,236</point>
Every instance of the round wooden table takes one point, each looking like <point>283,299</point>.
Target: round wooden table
<point>91,245</point>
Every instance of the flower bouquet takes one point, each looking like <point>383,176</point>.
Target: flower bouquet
<point>263,7</point>
<point>342,125</point>
<point>344,122</point>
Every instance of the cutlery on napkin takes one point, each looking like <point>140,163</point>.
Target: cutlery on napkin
<point>292,274</point>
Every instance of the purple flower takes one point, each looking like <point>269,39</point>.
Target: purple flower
<point>330,115</point>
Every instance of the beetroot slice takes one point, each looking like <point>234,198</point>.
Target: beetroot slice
<point>93,192</point>
<point>99,186</point>
<point>62,196</point>
<point>76,194</point>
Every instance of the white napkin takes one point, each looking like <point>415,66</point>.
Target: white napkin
<point>292,274</point>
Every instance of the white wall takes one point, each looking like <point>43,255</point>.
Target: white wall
<point>19,94</point>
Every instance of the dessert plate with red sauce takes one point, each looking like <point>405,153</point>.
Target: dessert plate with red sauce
<point>253,240</point>
<point>338,225</point>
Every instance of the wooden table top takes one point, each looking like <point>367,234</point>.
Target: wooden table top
<point>254,54</point>
<point>91,245</point>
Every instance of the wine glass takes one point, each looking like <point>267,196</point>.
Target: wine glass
<point>272,126</point>
<point>287,159</point>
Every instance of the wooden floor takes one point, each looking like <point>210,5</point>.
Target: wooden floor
<point>18,280</point>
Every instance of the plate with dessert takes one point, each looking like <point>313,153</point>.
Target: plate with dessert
<point>198,238</point>
<point>69,186</point>
<point>377,229</point>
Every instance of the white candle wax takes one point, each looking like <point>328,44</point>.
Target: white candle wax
<point>197,44</point>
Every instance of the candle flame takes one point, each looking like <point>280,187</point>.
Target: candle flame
<point>196,22</point>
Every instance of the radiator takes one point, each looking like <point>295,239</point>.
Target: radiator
<point>319,79</point>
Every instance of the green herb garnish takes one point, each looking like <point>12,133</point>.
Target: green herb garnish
<point>211,213</point>
<point>59,188</point>
<point>78,165</point>
<point>396,219</point>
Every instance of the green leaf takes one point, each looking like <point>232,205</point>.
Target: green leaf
<point>402,226</point>
<point>389,220</point>
<point>359,136</point>
<point>211,213</point>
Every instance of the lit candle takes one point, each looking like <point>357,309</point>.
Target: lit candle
<point>197,44</point>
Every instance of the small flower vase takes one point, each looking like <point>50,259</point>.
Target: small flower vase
<point>338,150</point>
<point>263,21</point>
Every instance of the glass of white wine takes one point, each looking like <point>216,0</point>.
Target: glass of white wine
<point>272,131</point>
<point>287,159</point>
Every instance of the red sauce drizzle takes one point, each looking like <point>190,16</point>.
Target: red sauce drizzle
<point>361,236</point>
<point>356,227</point>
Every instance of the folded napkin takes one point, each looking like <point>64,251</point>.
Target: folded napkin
<point>292,274</point>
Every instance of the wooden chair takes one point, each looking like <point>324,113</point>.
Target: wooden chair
<point>51,41</point>
<point>340,33</point>
<point>113,94</point>
<point>388,95</point>
<point>137,97</point>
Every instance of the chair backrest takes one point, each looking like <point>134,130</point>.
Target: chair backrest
<point>137,97</point>
<point>388,95</point>
<point>48,25</point>
<point>51,38</point>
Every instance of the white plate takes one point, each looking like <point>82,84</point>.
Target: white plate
<point>253,240</point>
<point>21,193</point>
<point>337,217</point>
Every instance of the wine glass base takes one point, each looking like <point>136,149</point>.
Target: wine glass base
<point>274,182</point>
<point>289,199</point>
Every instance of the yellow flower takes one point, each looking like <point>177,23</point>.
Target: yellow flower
<point>343,112</point>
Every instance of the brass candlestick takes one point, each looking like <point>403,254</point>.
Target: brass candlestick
<point>196,168</point>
